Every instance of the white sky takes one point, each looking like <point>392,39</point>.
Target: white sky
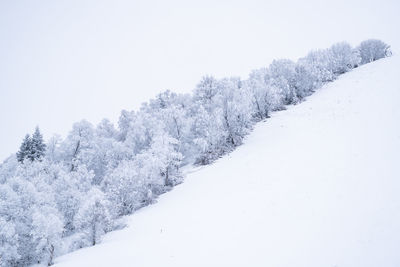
<point>63,61</point>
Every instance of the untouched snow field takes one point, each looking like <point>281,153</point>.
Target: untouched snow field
<point>315,185</point>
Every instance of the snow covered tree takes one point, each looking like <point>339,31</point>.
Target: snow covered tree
<point>166,158</point>
<point>8,243</point>
<point>130,186</point>
<point>172,110</point>
<point>236,109</point>
<point>32,148</point>
<point>209,135</point>
<point>344,58</point>
<point>38,147</point>
<point>71,189</point>
<point>319,65</point>
<point>265,97</point>
<point>124,124</point>
<point>372,49</point>
<point>205,91</point>
<point>53,148</point>
<point>46,231</point>
<point>124,188</point>
<point>221,115</point>
<point>282,74</point>
<point>35,214</point>
<point>20,200</point>
<point>106,151</point>
<point>93,217</point>
<point>78,146</point>
<point>25,149</point>
<point>306,82</point>
<point>8,168</point>
<point>106,129</point>
<point>143,127</point>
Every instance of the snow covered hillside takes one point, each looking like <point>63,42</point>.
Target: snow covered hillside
<point>315,185</point>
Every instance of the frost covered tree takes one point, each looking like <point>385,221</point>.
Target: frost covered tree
<point>8,243</point>
<point>106,129</point>
<point>32,148</point>
<point>78,146</point>
<point>206,91</point>
<point>282,74</point>
<point>25,149</point>
<point>124,123</point>
<point>158,166</point>
<point>306,82</point>
<point>53,148</point>
<point>208,134</point>
<point>71,189</point>
<point>166,158</point>
<point>143,127</point>
<point>221,116</point>
<point>46,231</point>
<point>93,218</point>
<point>172,111</point>
<point>344,58</point>
<point>38,147</point>
<point>264,96</point>
<point>372,49</point>
<point>106,151</point>
<point>319,65</point>
<point>27,203</point>
<point>124,188</point>
<point>236,109</point>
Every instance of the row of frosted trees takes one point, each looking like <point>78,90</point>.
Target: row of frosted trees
<point>64,195</point>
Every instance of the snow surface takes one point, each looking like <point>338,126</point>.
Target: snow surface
<point>315,185</point>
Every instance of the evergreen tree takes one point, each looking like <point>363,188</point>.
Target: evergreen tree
<point>38,148</point>
<point>25,148</point>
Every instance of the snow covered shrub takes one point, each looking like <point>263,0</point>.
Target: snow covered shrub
<point>372,49</point>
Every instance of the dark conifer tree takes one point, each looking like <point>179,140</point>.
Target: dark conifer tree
<point>25,148</point>
<point>38,146</point>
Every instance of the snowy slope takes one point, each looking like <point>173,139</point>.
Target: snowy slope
<point>315,185</point>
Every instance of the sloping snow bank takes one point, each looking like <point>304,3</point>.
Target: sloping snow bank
<point>315,185</point>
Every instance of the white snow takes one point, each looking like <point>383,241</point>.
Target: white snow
<point>315,185</point>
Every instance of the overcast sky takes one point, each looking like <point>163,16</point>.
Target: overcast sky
<point>63,61</point>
